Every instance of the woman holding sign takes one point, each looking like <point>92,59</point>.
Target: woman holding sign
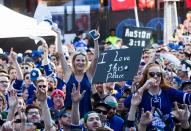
<point>155,93</point>
<point>80,73</point>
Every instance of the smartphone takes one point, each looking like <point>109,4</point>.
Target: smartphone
<point>94,34</point>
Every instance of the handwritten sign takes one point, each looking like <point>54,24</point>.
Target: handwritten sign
<point>136,36</point>
<point>117,65</point>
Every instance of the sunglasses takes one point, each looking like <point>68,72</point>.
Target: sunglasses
<point>17,121</point>
<point>27,77</point>
<point>42,86</point>
<point>114,108</point>
<point>25,67</point>
<point>101,111</point>
<point>153,74</point>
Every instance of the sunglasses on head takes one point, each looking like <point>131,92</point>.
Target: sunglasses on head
<point>153,74</point>
<point>101,111</point>
<point>42,86</point>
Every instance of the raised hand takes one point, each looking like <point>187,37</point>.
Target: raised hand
<point>150,82</point>
<point>22,115</point>
<point>13,55</point>
<point>45,47</point>
<point>189,108</point>
<point>136,98</point>
<point>56,29</point>
<point>146,117</point>
<point>13,100</point>
<point>8,126</point>
<point>41,94</point>
<point>76,96</point>
<point>181,114</point>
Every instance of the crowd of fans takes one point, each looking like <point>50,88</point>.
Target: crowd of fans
<point>51,88</point>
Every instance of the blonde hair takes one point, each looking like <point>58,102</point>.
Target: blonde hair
<point>74,57</point>
<point>4,101</point>
<point>41,79</point>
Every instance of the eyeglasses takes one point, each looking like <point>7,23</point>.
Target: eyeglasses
<point>101,111</point>
<point>152,74</point>
<point>42,86</point>
<point>35,112</point>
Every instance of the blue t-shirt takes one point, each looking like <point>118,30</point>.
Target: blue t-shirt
<point>116,123</point>
<point>164,104</point>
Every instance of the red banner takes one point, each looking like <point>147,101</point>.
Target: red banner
<point>188,3</point>
<point>122,4</point>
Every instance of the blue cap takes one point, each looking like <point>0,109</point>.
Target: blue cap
<point>35,74</point>
<point>184,83</point>
<point>36,54</point>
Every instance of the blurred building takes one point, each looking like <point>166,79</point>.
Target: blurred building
<point>100,13</point>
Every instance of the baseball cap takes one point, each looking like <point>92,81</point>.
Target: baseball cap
<point>36,54</point>
<point>58,91</point>
<point>111,101</point>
